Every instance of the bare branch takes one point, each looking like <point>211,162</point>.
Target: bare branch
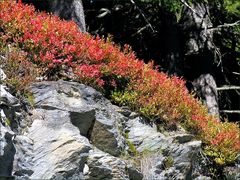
<point>189,7</point>
<point>236,73</point>
<point>140,30</point>
<point>228,88</point>
<point>230,111</point>
<point>144,17</point>
<point>224,26</point>
<point>210,28</point>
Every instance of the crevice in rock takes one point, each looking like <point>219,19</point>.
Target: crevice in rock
<point>7,156</point>
<point>84,121</point>
<point>89,133</point>
<point>46,107</point>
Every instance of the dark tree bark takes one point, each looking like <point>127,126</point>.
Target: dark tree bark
<point>66,9</point>
<point>200,54</point>
<point>69,10</point>
<point>206,88</point>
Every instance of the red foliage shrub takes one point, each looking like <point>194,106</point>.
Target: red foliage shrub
<point>54,44</point>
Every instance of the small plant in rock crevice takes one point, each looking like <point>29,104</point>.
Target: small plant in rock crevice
<point>53,48</point>
<point>132,149</point>
<point>168,162</point>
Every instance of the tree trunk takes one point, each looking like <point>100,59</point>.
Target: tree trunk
<point>206,88</point>
<point>200,54</point>
<point>69,10</point>
<point>65,9</point>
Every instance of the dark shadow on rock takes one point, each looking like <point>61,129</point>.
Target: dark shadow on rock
<point>7,156</point>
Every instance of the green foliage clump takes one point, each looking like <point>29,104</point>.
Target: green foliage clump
<point>131,146</point>
<point>232,6</point>
<point>168,162</point>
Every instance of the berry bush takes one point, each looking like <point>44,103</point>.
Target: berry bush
<point>56,47</point>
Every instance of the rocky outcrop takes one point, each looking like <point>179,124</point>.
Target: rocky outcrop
<point>102,165</point>
<point>73,132</point>
<point>7,151</point>
<point>56,144</point>
<point>165,156</point>
<point>55,148</point>
<point>95,117</point>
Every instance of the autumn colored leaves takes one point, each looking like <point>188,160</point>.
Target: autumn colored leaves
<point>56,45</point>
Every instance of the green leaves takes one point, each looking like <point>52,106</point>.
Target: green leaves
<point>232,6</point>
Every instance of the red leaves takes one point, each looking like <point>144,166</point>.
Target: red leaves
<point>91,71</point>
<point>90,74</point>
<point>58,45</point>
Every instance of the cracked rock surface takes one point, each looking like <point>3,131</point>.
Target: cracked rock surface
<point>73,132</point>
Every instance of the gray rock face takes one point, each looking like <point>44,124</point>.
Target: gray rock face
<point>7,151</point>
<point>101,165</point>
<point>73,132</point>
<point>56,143</point>
<point>100,122</point>
<point>107,131</point>
<point>64,97</point>
<point>57,149</point>
<point>104,166</point>
<point>7,98</point>
<point>2,75</point>
<point>164,156</point>
<point>144,137</point>
<point>9,113</point>
<point>10,108</point>
<point>23,161</point>
<point>69,10</point>
<point>65,115</point>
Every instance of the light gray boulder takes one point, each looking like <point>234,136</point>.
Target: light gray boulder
<point>66,116</point>
<point>163,156</point>
<point>144,136</point>
<point>105,166</point>
<point>57,149</point>
<point>102,124</point>
<point>101,165</point>
<point>2,75</point>
<point>6,98</point>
